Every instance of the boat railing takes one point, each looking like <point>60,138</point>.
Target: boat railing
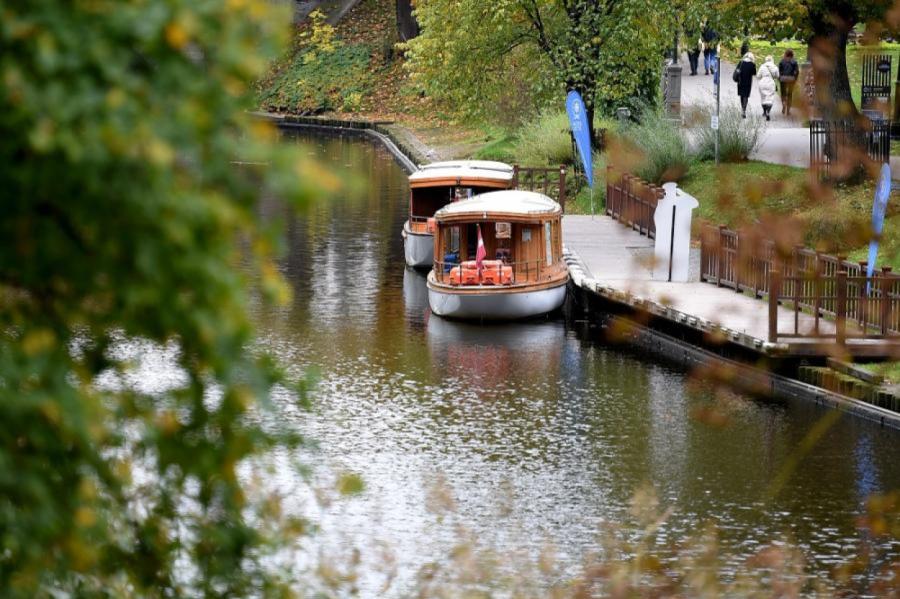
<point>494,273</point>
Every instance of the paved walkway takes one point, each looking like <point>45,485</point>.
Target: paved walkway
<point>785,140</point>
<point>698,91</point>
<point>614,261</point>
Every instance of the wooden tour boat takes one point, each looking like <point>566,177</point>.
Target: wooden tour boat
<point>438,184</point>
<point>498,257</point>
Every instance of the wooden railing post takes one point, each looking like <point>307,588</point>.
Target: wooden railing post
<point>720,257</point>
<point>817,292</point>
<point>704,253</point>
<point>562,187</point>
<point>610,192</point>
<point>774,291</point>
<point>840,310</point>
<point>864,290</point>
<point>885,299</point>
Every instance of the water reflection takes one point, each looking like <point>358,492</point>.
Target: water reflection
<point>415,297</point>
<point>542,432</point>
<point>492,358</point>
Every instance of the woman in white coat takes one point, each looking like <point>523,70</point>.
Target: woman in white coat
<point>768,75</point>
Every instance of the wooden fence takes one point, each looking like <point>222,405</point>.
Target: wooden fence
<point>632,201</point>
<point>830,297</point>
<point>548,181</point>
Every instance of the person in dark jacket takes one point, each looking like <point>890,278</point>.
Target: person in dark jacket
<point>710,48</point>
<point>693,44</point>
<point>744,75</point>
<point>788,72</point>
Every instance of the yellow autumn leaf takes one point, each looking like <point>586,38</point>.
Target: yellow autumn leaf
<point>176,35</point>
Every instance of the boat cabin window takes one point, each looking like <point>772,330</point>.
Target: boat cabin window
<point>462,193</point>
<point>428,200</point>
<point>425,201</point>
<point>503,236</point>
<point>449,245</point>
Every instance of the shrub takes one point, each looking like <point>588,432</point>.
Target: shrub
<point>738,137</point>
<point>663,152</point>
<point>545,141</point>
<point>318,84</point>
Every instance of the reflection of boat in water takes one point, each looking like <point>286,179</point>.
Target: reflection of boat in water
<point>490,352</point>
<point>521,231</point>
<point>436,185</point>
<point>415,295</point>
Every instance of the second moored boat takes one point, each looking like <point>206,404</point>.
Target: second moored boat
<point>438,184</point>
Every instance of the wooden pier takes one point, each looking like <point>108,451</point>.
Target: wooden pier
<point>614,261</point>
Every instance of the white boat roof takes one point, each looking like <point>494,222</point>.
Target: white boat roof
<point>488,165</point>
<point>508,201</point>
<point>471,170</point>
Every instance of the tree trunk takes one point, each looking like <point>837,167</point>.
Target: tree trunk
<point>845,149</point>
<point>407,26</point>
<point>828,55</point>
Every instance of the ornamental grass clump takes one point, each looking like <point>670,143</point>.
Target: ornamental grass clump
<point>663,152</point>
<point>738,137</point>
<point>545,141</point>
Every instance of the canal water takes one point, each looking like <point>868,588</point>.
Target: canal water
<point>525,436</point>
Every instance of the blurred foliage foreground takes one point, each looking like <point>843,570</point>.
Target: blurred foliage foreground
<point>121,213</point>
<point>124,219</point>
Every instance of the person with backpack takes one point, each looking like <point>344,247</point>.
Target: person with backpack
<point>788,71</point>
<point>768,74</point>
<point>743,75</point>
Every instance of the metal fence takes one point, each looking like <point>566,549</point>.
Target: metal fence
<point>632,201</point>
<point>830,297</point>
<point>548,181</point>
<point>876,81</point>
<point>839,147</point>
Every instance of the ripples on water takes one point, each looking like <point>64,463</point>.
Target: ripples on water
<point>542,433</point>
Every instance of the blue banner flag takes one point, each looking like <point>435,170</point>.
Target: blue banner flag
<point>579,124</point>
<point>717,66</point>
<point>882,193</point>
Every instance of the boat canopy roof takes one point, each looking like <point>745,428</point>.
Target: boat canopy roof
<point>513,204</point>
<point>487,165</point>
<point>473,173</point>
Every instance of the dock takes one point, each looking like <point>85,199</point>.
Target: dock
<point>614,261</point>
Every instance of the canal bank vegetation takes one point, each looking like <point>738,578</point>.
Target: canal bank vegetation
<point>351,68</point>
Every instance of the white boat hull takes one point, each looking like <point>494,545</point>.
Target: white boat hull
<point>495,304</point>
<point>418,248</point>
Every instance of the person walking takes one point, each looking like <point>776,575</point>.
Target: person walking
<point>788,71</point>
<point>710,41</point>
<point>693,45</point>
<point>743,76</point>
<point>768,73</point>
